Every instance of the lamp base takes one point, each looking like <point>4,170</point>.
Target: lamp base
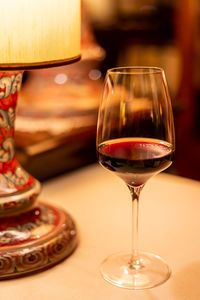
<point>35,240</point>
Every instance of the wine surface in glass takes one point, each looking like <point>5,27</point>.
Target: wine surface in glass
<point>135,160</point>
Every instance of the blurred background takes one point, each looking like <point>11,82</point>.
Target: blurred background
<point>57,110</point>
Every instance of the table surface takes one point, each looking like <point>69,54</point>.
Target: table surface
<point>100,204</point>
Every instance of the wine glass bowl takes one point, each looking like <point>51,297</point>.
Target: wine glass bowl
<point>135,141</point>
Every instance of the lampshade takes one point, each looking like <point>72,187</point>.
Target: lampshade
<point>39,33</point>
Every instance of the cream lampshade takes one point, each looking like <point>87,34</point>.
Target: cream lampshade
<point>33,34</point>
<point>39,33</point>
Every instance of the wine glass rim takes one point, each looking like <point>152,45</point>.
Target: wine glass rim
<point>135,70</point>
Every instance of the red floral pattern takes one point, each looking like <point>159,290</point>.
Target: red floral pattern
<point>9,86</point>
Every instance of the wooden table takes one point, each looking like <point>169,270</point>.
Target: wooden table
<point>101,206</point>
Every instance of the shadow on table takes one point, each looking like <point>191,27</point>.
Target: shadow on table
<point>150,296</point>
<point>186,284</point>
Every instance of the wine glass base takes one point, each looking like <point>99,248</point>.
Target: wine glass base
<point>149,270</point>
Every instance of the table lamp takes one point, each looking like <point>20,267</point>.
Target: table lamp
<point>34,34</point>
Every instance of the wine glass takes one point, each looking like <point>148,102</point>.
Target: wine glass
<point>135,141</point>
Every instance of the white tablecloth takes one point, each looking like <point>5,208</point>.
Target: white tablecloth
<point>100,204</point>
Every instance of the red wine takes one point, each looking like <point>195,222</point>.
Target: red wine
<point>135,160</point>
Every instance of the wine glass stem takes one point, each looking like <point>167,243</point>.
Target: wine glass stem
<point>135,193</point>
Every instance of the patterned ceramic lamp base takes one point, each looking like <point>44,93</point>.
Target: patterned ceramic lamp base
<point>35,240</point>
<point>32,238</point>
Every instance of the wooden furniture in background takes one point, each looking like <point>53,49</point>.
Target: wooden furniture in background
<point>187,133</point>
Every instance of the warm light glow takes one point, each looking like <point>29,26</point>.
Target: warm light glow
<point>39,31</point>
